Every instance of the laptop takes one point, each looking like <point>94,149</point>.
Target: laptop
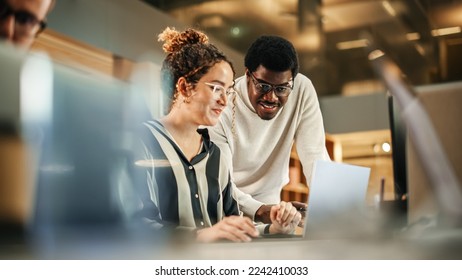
<point>336,205</point>
<point>336,202</point>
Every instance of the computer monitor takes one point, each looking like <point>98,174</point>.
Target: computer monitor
<point>398,143</point>
<point>396,209</point>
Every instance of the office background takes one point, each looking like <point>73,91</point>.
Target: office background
<point>118,38</point>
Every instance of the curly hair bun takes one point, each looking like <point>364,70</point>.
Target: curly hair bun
<point>174,41</point>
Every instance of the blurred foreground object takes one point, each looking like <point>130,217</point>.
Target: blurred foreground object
<point>428,133</point>
<point>66,137</point>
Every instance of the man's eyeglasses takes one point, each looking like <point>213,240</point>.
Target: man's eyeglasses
<point>26,24</point>
<point>219,90</point>
<point>264,88</point>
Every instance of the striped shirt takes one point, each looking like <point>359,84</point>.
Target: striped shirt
<point>177,192</point>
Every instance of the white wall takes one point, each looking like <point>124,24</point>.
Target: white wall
<point>344,114</point>
<point>127,28</point>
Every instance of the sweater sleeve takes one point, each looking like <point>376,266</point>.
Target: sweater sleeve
<point>310,138</point>
<point>247,204</point>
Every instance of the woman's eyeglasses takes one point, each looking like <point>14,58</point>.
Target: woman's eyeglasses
<point>219,90</point>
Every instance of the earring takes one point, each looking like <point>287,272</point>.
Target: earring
<point>175,97</point>
<point>186,100</point>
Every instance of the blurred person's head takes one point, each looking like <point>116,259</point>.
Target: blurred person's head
<point>271,66</point>
<point>21,21</point>
<point>196,76</point>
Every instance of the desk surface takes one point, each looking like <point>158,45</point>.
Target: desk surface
<point>439,245</point>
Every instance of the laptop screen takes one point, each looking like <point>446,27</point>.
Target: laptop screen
<point>337,199</point>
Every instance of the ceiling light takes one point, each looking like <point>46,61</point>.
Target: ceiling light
<point>213,21</point>
<point>414,36</point>
<point>308,40</point>
<point>386,147</point>
<point>375,54</point>
<point>446,31</point>
<point>420,49</point>
<point>387,6</point>
<point>361,43</point>
<point>235,31</point>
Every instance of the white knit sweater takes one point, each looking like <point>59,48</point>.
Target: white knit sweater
<point>260,149</point>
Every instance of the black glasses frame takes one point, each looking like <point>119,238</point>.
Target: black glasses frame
<point>283,91</point>
<point>22,18</point>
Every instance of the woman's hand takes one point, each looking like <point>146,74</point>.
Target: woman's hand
<point>284,218</point>
<point>234,228</point>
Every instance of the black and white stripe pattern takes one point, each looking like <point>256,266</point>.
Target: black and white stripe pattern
<point>177,192</point>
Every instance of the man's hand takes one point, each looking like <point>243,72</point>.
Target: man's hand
<point>284,218</point>
<point>234,228</point>
<point>300,206</point>
<point>263,214</point>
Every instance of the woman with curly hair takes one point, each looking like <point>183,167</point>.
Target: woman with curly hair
<point>187,183</point>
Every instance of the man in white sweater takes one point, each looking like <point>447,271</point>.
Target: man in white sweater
<point>274,107</point>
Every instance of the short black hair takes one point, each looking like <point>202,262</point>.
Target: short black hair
<point>274,53</point>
